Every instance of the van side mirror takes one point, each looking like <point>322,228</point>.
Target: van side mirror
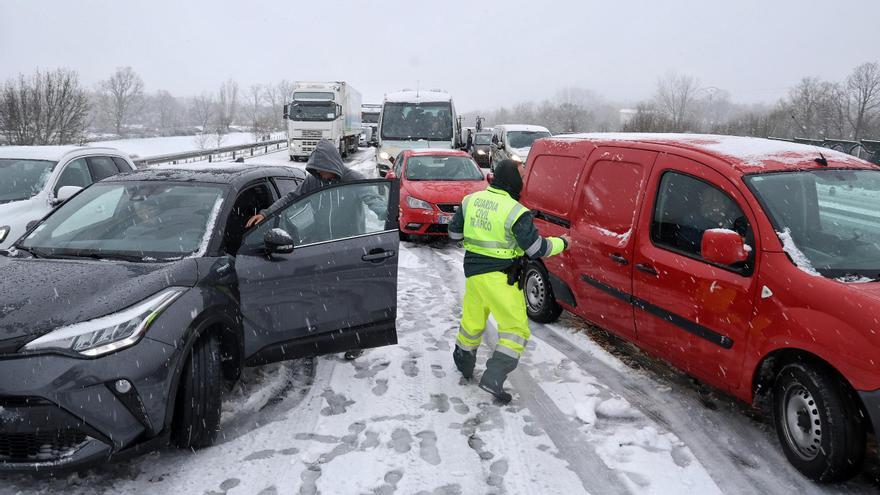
<point>723,246</point>
<point>65,193</point>
<point>278,241</point>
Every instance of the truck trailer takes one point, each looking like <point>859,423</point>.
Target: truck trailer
<point>322,110</point>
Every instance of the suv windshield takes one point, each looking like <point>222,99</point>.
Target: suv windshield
<point>139,220</point>
<point>524,139</point>
<point>413,121</point>
<point>22,179</point>
<point>827,220</point>
<point>483,138</point>
<point>313,111</point>
<point>442,168</point>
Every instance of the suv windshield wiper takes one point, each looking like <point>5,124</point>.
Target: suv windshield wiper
<point>106,256</point>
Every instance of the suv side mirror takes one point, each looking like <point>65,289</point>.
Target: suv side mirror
<point>278,241</point>
<point>723,246</point>
<point>65,193</point>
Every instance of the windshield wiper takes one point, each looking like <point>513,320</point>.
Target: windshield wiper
<point>109,256</point>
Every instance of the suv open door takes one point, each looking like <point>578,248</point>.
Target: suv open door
<point>320,276</point>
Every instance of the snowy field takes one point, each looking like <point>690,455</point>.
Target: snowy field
<point>146,147</point>
<point>590,415</point>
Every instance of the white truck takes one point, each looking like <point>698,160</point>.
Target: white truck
<point>416,119</point>
<point>322,110</point>
<point>370,119</point>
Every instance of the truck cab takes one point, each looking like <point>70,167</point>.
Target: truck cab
<point>322,110</point>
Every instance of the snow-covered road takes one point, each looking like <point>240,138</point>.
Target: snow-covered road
<point>589,415</point>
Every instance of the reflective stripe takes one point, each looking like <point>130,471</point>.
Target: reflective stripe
<point>513,337</point>
<point>455,236</point>
<point>467,347</point>
<point>508,351</point>
<point>490,244</point>
<point>515,213</point>
<point>469,335</point>
<point>535,247</point>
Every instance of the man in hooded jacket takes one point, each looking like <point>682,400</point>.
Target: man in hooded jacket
<point>339,215</point>
<point>496,231</point>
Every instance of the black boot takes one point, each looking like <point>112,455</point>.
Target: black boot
<point>353,354</point>
<point>497,368</point>
<point>464,361</point>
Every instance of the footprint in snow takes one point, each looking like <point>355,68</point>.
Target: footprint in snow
<point>437,370</point>
<point>400,441</point>
<point>438,402</point>
<point>428,447</point>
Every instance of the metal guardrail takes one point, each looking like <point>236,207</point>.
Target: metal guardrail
<point>865,149</point>
<point>214,154</point>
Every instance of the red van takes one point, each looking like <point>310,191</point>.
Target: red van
<point>751,264</point>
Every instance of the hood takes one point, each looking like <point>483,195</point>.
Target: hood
<point>522,152</point>
<point>40,295</point>
<point>17,214</point>
<point>326,158</point>
<point>444,191</point>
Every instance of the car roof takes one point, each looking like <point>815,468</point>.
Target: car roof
<point>435,152</point>
<point>522,127</point>
<point>421,96</point>
<point>53,153</point>
<point>744,155</point>
<point>236,175</point>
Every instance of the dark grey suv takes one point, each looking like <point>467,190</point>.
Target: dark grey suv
<point>124,311</point>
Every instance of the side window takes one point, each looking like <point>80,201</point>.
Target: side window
<point>398,165</point>
<point>248,203</point>
<point>610,196</point>
<point>286,185</point>
<point>686,207</point>
<point>331,214</point>
<point>75,173</point>
<point>102,167</point>
<point>552,183</point>
<point>121,164</point>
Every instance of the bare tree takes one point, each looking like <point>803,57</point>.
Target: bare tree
<point>676,95</point>
<point>863,91</point>
<point>260,122</point>
<point>201,111</point>
<point>122,94</point>
<point>167,111</point>
<point>274,97</point>
<point>227,104</point>
<point>47,108</point>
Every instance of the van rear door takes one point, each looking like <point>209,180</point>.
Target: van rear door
<point>609,197</point>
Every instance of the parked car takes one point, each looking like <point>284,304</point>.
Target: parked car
<point>35,179</point>
<point>732,259</point>
<point>513,142</point>
<point>432,185</point>
<point>126,309</point>
<point>482,151</point>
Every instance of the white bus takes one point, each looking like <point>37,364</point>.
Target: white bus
<point>416,119</point>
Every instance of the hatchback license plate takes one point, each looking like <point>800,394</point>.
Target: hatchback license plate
<point>444,219</point>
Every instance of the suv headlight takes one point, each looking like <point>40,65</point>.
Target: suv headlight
<point>418,204</point>
<point>108,333</point>
<point>4,231</point>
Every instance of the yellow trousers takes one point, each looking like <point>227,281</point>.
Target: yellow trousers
<point>486,294</point>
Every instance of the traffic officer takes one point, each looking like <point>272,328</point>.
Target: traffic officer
<point>496,232</point>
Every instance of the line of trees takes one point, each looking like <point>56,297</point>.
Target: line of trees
<point>814,108</point>
<point>53,107</point>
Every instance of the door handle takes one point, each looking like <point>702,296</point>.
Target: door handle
<point>650,270</point>
<point>618,259</point>
<point>377,255</point>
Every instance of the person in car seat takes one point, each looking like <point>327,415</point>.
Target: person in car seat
<point>496,232</point>
<point>714,211</point>
<point>326,168</point>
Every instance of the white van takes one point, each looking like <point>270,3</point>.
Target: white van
<point>35,179</point>
<point>514,141</point>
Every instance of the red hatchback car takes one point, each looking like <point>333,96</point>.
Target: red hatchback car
<point>432,185</point>
<point>751,264</point>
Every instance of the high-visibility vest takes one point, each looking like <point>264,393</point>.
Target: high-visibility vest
<point>489,216</point>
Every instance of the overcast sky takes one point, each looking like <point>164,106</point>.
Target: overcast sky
<point>486,53</point>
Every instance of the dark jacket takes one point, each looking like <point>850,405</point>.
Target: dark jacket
<point>340,211</point>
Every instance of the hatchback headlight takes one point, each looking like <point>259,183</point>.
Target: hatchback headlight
<point>418,204</point>
<point>108,333</point>
<point>4,231</point>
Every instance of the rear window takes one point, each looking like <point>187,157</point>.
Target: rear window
<point>611,195</point>
<point>552,183</point>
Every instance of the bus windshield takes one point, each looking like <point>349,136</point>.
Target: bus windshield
<point>414,121</point>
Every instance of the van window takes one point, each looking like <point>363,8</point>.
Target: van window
<point>687,207</point>
<point>611,195</point>
<point>553,181</point>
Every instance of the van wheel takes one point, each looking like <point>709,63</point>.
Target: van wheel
<point>197,415</point>
<point>818,422</point>
<point>541,305</point>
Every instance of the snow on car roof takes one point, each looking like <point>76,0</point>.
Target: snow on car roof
<point>51,153</point>
<point>746,153</point>
<point>421,96</point>
<point>523,127</point>
<point>435,151</point>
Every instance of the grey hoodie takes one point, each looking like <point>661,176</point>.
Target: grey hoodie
<point>326,158</point>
